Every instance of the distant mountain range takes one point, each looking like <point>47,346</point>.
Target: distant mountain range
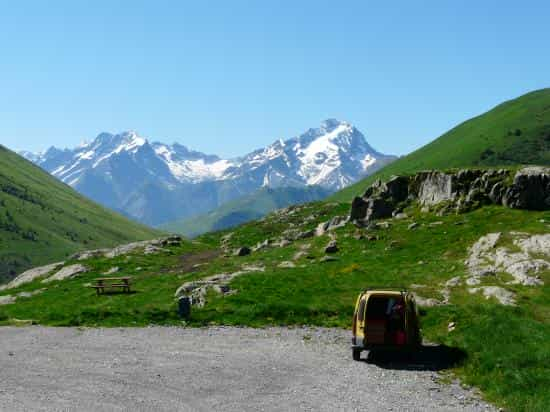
<point>156,183</point>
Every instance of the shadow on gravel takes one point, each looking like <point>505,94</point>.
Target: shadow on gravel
<point>432,358</point>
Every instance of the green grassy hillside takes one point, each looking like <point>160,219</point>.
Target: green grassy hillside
<point>245,209</point>
<point>43,220</point>
<point>515,132</point>
<point>507,347</point>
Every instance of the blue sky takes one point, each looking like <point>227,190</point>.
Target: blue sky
<point>227,77</point>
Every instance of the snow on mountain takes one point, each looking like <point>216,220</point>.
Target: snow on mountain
<point>155,182</point>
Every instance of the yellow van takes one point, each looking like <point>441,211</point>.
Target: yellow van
<point>385,319</point>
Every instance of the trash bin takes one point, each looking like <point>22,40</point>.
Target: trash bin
<point>184,307</point>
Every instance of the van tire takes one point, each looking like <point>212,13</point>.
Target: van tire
<point>356,353</point>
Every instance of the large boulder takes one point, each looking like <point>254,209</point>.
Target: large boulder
<point>396,189</point>
<point>379,208</point>
<point>359,207</point>
<point>531,189</point>
<point>435,188</point>
<point>67,273</point>
<point>31,275</point>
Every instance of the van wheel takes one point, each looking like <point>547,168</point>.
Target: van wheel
<point>356,354</point>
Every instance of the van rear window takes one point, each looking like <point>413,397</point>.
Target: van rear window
<point>361,311</point>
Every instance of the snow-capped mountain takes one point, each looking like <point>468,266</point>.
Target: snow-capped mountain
<point>155,182</point>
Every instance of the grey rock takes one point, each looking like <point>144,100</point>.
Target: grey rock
<point>284,242</point>
<point>427,302</point>
<point>242,251</point>
<point>435,188</point>
<point>7,300</point>
<point>328,259</point>
<point>504,297</point>
<point>530,190</point>
<point>221,289</point>
<point>305,234</point>
<point>261,245</point>
<point>413,225</point>
<point>332,247</point>
<point>67,272</point>
<point>32,274</point>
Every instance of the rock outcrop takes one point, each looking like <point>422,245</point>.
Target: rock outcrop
<point>31,275</point>
<point>219,283</point>
<point>487,259</point>
<point>458,192</point>
<point>67,273</point>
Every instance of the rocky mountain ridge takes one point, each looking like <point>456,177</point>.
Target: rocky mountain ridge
<point>155,183</point>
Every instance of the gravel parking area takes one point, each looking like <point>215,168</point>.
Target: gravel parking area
<point>214,369</point>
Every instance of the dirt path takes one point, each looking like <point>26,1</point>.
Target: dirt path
<point>229,369</point>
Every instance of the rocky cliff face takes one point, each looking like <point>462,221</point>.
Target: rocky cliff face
<point>528,188</point>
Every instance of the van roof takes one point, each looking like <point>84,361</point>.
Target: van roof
<point>386,292</point>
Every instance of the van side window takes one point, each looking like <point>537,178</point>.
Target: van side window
<point>361,311</point>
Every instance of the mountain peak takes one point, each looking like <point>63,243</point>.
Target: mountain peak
<point>331,124</point>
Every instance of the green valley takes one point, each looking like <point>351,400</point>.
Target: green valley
<point>245,209</point>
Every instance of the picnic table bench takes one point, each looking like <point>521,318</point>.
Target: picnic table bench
<point>112,283</point>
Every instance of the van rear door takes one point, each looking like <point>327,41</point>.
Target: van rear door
<point>359,320</point>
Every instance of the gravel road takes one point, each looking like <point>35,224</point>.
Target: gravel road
<point>213,369</point>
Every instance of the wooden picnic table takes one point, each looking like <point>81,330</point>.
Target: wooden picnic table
<point>111,283</point>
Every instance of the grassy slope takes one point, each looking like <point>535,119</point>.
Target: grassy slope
<point>515,132</point>
<point>43,220</point>
<point>508,348</point>
<point>245,209</point>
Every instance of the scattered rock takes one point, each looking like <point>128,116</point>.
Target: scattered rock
<point>473,281</point>
<point>261,245</point>
<point>328,259</point>
<point>112,270</point>
<point>300,254</point>
<point>242,251</point>
<point>505,297</point>
<point>31,275</point>
<point>332,247</point>
<point>412,226</point>
<point>172,241</point>
<point>305,234</point>
<point>286,265</point>
<point>427,302</point>
<point>152,249</point>
<point>221,289</point>
<point>67,273</point>
<point>7,300</point>
<point>486,259</point>
<point>451,326</point>
<point>539,244</point>
<point>198,289</point>
<point>30,294</point>
<point>333,224</point>
<point>149,246</point>
<point>453,282</point>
